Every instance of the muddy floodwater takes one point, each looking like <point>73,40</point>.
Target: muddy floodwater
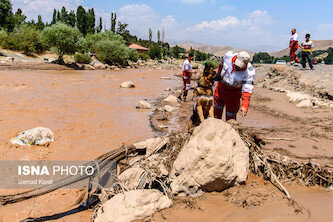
<point>87,110</point>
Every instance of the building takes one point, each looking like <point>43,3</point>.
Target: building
<point>138,48</point>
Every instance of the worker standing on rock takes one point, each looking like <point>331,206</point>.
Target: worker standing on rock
<point>307,48</point>
<point>293,45</point>
<point>187,73</point>
<point>235,82</point>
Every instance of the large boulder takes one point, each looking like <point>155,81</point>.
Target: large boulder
<point>214,159</point>
<point>127,85</point>
<point>132,205</point>
<point>39,136</point>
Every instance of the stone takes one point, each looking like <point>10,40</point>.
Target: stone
<point>132,205</point>
<point>97,64</point>
<point>297,96</point>
<point>169,109</point>
<point>305,103</point>
<point>127,85</point>
<point>88,67</point>
<point>152,145</point>
<point>167,89</point>
<point>9,59</point>
<point>39,136</point>
<point>171,99</point>
<point>165,77</point>
<point>143,105</point>
<point>214,159</point>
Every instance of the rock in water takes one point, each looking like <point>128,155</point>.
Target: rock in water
<point>127,85</point>
<point>171,99</point>
<point>169,109</point>
<point>39,136</point>
<point>132,205</point>
<point>143,105</point>
<point>214,159</point>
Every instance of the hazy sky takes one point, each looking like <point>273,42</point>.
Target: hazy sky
<point>239,23</point>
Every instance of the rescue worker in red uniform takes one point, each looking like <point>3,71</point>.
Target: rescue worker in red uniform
<point>187,74</point>
<point>235,83</point>
<point>293,45</point>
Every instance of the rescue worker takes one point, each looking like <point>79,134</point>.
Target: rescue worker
<point>235,82</point>
<point>187,73</point>
<point>307,48</point>
<point>293,45</point>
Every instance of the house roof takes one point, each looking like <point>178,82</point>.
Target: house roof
<point>135,46</point>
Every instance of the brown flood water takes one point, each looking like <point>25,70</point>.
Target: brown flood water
<point>87,110</point>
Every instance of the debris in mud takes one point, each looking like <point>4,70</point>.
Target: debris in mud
<point>169,108</point>
<point>143,105</point>
<point>132,205</point>
<point>127,85</point>
<point>38,136</point>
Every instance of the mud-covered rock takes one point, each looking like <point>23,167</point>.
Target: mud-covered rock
<point>143,105</point>
<point>127,85</point>
<point>39,136</point>
<point>169,108</point>
<point>152,145</point>
<point>132,205</point>
<point>171,99</point>
<point>214,159</point>
<point>305,103</point>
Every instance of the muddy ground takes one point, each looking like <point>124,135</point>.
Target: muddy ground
<point>91,115</point>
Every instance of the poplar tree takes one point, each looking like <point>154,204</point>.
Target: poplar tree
<point>81,20</point>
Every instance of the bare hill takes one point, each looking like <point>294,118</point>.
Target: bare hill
<point>215,50</point>
<point>319,45</point>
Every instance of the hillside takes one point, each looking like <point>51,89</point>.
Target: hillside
<point>319,45</point>
<point>215,50</point>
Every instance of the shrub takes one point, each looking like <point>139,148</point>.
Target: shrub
<point>111,52</point>
<point>3,36</point>
<point>213,63</point>
<point>155,52</point>
<point>63,37</point>
<point>91,39</point>
<point>82,58</point>
<point>133,55</point>
<point>329,58</point>
<point>144,56</point>
<point>24,38</point>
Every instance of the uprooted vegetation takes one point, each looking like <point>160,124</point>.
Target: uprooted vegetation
<point>156,158</point>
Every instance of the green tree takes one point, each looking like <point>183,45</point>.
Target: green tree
<point>6,15</point>
<point>262,56</point>
<point>113,22</point>
<point>63,37</point>
<point>24,38</point>
<point>158,36</point>
<point>19,17</point>
<point>40,24</point>
<point>81,20</point>
<point>163,35</point>
<point>111,52</point>
<point>92,39</point>
<point>54,17</point>
<point>64,15</point>
<point>200,56</point>
<point>91,21</point>
<point>155,52</point>
<point>3,36</point>
<point>329,58</point>
<point>100,25</point>
<point>175,51</point>
<point>72,18</point>
<point>150,34</point>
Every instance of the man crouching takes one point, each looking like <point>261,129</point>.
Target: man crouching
<point>236,75</point>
